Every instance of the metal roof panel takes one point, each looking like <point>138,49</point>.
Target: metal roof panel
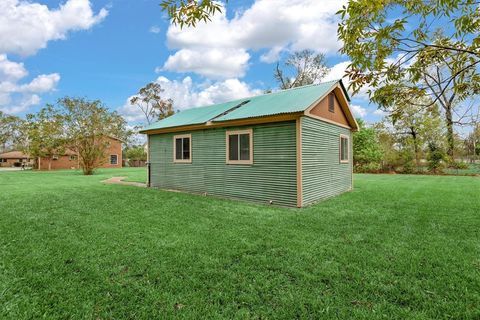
<point>281,102</point>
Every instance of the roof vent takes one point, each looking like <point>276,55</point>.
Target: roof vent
<point>241,104</point>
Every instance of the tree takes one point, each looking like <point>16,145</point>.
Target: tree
<point>435,157</point>
<point>10,131</point>
<point>398,63</point>
<point>136,153</point>
<point>418,124</point>
<point>301,68</point>
<point>190,12</point>
<point>45,134</point>
<point>88,124</point>
<point>152,105</point>
<point>434,89</point>
<point>472,143</point>
<point>390,40</point>
<point>367,154</point>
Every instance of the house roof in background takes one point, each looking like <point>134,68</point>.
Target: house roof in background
<point>282,102</point>
<point>14,155</point>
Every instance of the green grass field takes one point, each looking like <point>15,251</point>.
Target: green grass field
<point>397,247</point>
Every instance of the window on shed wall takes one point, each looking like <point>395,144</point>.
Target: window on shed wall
<point>182,148</point>
<point>344,149</point>
<point>240,147</point>
<point>331,102</point>
<point>113,159</point>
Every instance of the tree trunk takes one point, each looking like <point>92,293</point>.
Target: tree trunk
<point>415,146</point>
<point>450,134</point>
<point>49,164</point>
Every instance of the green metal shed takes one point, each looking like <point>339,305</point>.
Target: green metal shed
<point>290,148</point>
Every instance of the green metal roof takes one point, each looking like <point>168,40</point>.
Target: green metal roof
<point>281,102</point>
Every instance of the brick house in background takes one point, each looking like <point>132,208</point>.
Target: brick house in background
<point>70,159</point>
<point>15,159</point>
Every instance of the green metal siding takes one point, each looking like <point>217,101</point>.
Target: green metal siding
<point>271,177</point>
<point>323,175</point>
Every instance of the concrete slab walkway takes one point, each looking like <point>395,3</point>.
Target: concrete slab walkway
<point>119,180</point>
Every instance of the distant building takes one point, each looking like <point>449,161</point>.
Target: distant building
<point>70,159</point>
<point>15,159</point>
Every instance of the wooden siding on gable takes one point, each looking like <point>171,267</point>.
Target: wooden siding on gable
<point>272,177</point>
<point>338,116</point>
<point>323,175</point>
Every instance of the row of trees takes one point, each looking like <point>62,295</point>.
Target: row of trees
<point>412,145</point>
<point>73,123</point>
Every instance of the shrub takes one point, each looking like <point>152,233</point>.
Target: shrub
<point>458,165</point>
<point>436,158</point>
<point>368,168</point>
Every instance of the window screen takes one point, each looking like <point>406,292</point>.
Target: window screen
<point>113,159</point>
<point>245,147</point>
<point>331,102</point>
<point>233,147</point>
<point>344,149</point>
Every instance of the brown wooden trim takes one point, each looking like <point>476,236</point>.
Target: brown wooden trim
<point>231,123</point>
<point>227,149</point>
<point>299,163</point>
<point>181,136</point>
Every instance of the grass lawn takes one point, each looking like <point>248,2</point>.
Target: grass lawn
<point>397,247</point>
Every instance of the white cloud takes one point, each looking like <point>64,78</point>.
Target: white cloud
<point>22,105</point>
<point>17,97</point>
<point>42,83</point>
<point>155,29</point>
<point>379,112</point>
<point>26,27</point>
<point>185,94</point>
<point>211,63</point>
<point>338,72</point>
<point>274,25</point>
<point>272,55</point>
<point>358,111</point>
<point>11,71</point>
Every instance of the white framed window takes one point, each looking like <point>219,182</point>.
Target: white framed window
<point>55,157</point>
<point>73,157</point>
<point>240,147</point>
<point>182,148</point>
<point>344,148</point>
<point>113,159</point>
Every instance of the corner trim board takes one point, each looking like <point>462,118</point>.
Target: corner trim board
<point>299,163</point>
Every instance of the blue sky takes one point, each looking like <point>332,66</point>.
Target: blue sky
<point>107,50</point>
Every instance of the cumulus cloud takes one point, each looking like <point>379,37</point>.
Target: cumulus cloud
<point>358,111</point>
<point>26,27</point>
<point>22,105</point>
<point>42,83</point>
<point>272,25</point>
<point>338,72</point>
<point>211,63</point>
<point>17,97</point>
<point>185,94</point>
